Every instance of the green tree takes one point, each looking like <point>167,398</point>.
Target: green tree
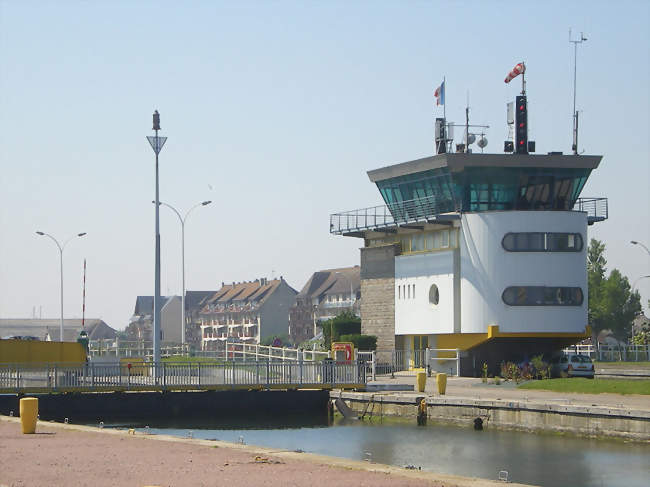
<point>345,323</point>
<point>612,304</point>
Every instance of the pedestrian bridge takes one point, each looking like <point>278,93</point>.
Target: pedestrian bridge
<point>181,376</point>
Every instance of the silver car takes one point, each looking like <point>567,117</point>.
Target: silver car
<point>572,365</point>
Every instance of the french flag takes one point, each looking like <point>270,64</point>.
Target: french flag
<point>440,94</point>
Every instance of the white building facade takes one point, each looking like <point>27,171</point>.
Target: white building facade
<point>483,254</point>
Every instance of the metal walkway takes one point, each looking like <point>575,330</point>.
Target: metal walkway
<point>166,376</point>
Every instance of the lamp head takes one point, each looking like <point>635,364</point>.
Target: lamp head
<point>204,203</point>
<point>40,233</point>
<point>634,242</point>
<point>81,234</point>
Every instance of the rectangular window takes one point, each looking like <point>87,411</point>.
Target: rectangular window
<point>413,291</point>
<point>429,241</point>
<point>409,291</point>
<point>445,238</point>
<point>437,240</point>
<point>399,292</point>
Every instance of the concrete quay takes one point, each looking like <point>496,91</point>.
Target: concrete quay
<point>506,407</point>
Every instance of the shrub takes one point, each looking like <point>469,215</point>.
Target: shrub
<point>361,342</point>
<point>346,323</point>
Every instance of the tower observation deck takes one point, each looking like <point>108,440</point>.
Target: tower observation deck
<point>438,189</point>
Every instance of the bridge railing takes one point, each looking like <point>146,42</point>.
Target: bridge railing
<point>22,378</point>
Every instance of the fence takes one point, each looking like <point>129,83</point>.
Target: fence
<point>440,359</point>
<point>613,353</point>
<point>132,348</point>
<point>251,351</point>
<point>21,378</point>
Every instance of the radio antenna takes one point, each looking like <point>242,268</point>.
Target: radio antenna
<point>575,43</point>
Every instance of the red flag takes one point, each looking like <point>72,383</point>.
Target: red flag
<point>520,68</point>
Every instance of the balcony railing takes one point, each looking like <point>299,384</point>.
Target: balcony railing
<point>411,211</point>
<point>596,208</point>
<point>428,210</point>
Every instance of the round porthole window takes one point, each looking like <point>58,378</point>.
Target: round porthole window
<point>434,294</point>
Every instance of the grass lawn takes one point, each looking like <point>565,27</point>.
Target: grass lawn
<point>591,386</point>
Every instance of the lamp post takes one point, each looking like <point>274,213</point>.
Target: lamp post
<point>60,247</point>
<point>634,242</point>
<point>182,220</point>
<point>637,280</point>
<point>157,145</point>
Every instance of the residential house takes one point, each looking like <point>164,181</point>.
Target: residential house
<point>326,294</point>
<point>141,323</point>
<point>246,312</point>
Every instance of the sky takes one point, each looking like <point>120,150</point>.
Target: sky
<point>274,112</point>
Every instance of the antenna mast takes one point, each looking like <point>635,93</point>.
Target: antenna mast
<point>575,71</point>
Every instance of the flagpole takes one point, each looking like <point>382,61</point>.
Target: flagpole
<point>444,104</point>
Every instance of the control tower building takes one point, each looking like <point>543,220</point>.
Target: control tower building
<point>481,256</point>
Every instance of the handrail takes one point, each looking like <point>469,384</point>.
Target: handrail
<point>91,377</point>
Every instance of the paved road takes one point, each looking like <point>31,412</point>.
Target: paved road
<point>473,388</point>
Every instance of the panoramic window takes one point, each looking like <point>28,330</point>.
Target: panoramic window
<point>542,242</point>
<point>542,296</point>
<point>434,294</point>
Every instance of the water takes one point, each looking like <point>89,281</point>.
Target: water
<point>540,459</point>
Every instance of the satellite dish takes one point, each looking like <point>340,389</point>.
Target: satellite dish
<point>471,139</point>
<point>482,142</point>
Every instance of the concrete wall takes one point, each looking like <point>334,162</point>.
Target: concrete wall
<point>487,269</point>
<point>414,314</point>
<point>526,416</point>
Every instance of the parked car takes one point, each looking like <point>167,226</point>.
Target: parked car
<point>572,365</point>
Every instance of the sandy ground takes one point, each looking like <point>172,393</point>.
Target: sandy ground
<point>473,388</point>
<point>76,456</point>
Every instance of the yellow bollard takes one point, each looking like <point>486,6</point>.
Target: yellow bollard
<point>420,381</point>
<point>441,380</point>
<point>28,414</point>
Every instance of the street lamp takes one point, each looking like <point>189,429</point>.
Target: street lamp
<point>637,280</point>
<point>157,145</point>
<point>182,220</point>
<point>60,247</point>
<point>634,242</point>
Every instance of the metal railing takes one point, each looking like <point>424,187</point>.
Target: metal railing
<point>429,208</point>
<point>430,359</point>
<point>238,351</point>
<point>411,211</point>
<point>613,353</point>
<point>132,348</point>
<point>23,378</point>
<point>596,208</point>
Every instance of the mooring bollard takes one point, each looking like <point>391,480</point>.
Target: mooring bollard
<point>441,380</point>
<point>28,414</point>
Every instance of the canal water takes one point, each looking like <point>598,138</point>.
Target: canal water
<point>539,459</point>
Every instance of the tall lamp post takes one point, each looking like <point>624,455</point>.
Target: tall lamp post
<point>634,242</point>
<point>60,247</point>
<point>637,280</point>
<point>156,143</point>
<point>182,220</point>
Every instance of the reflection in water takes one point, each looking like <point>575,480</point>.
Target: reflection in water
<point>539,459</point>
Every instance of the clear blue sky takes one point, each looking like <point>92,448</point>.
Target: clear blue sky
<point>275,111</point>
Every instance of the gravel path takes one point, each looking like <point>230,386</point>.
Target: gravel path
<point>76,456</point>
